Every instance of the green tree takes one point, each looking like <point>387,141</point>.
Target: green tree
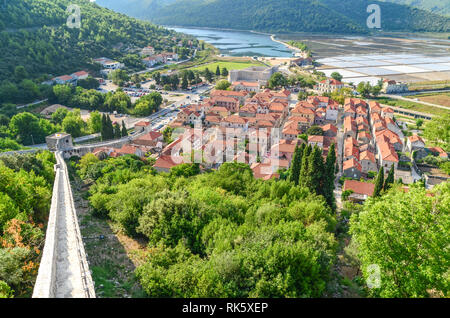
<point>224,71</point>
<point>117,131</point>
<point>405,234</point>
<point>379,183</point>
<point>208,75</point>
<point>389,179</point>
<point>184,82</point>
<point>315,170</point>
<point>296,164</point>
<point>223,85</point>
<point>277,80</point>
<point>217,71</point>
<point>305,161</point>
<point>336,76</point>
<point>437,131</point>
<point>315,130</point>
<point>124,129</point>
<point>95,122</point>
<point>119,77</point>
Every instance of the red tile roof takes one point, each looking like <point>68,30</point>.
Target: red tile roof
<point>358,187</point>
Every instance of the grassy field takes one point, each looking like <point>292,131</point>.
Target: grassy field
<point>434,98</point>
<point>429,85</point>
<point>412,106</point>
<point>229,65</point>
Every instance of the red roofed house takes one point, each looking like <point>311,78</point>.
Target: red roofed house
<point>265,171</point>
<point>352,169</point>
<point>328,86</point>
<point>386,154</point>
<point>141,126</point>
<point>150,139</point>
<point>329,130</point>
<point>414,142</point>
<point>361,190</point>
<point>367,160</point>
<point>246,86</point>
<point>164,163</point>
<point>80,75</point>
<point>387,112</point>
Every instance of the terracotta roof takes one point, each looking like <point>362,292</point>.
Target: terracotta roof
<point>415,138</point>
<point>351,163</point>
<point>142,123</point>
<point>328,127</point>
<point>152,135</point>
<point>80,73</point>
<point>303,110</point>
<point>316,139</point>
<point>165,162</point>
<point>332,81</point>
<point>252,84</point>
<point>367,155</point>
<point>358,187</point>
<point>387,151</point>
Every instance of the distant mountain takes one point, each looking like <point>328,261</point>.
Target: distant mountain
<point>441,7</point>
<point>33,33</point>
<point>332,16</point>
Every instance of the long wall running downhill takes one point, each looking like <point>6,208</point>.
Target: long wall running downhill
<point>63,271</point>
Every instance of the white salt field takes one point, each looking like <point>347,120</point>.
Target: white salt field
<point>403,58</point>
<point>358,68</point>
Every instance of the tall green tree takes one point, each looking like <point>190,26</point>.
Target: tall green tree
<point>389,179</point>
<point>224,72</point>
<point>315,170</point>
<point>217,71</point>
<point>296,164</point>
<point>304,169</point>
<point>379,182</point>
<point>124,129</point>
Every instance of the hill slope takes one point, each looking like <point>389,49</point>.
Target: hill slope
<point>334,16</point>
<point>436,6</point>
<point>33,33</point>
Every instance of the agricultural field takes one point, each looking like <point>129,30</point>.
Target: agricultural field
<point>229,65</point>
<point>433,98</point>
<point>416,86</point>
<point>412,106</point>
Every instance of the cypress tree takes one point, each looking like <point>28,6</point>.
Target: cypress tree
<point>124,129</point>
<point>390,179</point>
<point>109,128</point>
<point>224,71</point>
<point>379,183</point>
<point>184,82</point>
<point>304,169</point>
<point>315,170</point>
<point>103,129</point>
<point>296,164</point>
<point>117,131</point>
<point>217,71</point>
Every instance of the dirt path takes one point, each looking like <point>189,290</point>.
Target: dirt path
<point>112,256</point>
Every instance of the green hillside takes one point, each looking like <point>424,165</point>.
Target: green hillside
<point>332,16</point>
<point>33,33</point>
<point>441,7</point>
